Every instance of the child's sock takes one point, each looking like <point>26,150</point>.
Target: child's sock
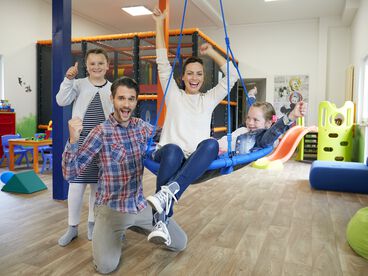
<point>174,187</point>
<point>91,224</point>
<point>70,235</point>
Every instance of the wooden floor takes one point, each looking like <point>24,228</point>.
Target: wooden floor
<point>252,222</point>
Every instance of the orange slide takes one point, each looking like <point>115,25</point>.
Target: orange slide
<point>285,149</point>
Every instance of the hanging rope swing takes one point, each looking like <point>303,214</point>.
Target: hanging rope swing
<point>226,162</point>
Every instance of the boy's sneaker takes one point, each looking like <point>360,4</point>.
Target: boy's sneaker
<point>160,234</point>
<point>161,200</point>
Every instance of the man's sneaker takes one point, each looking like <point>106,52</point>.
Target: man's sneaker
<point>161,200</point>
<point>160,234</point>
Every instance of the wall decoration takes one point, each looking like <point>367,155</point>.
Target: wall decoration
<point>288,91</point>
<point>27,87</point>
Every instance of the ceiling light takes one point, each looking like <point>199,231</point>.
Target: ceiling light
<point>138,10</point>
<point>270,0</point>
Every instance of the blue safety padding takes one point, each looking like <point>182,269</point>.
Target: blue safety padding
<point>221,162</point>
<point>61,61</point>
<point>339,176</point>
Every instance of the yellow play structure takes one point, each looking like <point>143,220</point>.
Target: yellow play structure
<point>335,131</point>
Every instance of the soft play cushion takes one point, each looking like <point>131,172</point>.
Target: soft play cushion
<point>5,176</point>
<point>357,232</point>
<point>26,182</point>
<point>339,176</point>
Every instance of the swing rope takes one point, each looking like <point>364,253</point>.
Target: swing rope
<point>228,49</point>
<point>177,57</point>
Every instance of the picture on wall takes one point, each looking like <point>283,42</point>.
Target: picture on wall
<point>288,91</point>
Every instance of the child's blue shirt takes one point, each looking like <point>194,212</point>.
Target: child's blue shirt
<point>261,138</point>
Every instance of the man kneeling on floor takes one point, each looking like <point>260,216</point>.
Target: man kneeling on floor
<point>119,145</point>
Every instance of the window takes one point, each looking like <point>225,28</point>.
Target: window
<point>363,93</point>
<point>363,102</point>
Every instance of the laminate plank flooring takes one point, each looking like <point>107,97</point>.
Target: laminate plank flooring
<point>251,222</point>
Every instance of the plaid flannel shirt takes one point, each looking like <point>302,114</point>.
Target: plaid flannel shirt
<point>120,151</point>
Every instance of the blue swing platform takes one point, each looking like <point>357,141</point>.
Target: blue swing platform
<point>224,163</point>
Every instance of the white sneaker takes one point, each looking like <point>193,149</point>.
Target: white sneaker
<point>160,234</point>
<point>161,200</point>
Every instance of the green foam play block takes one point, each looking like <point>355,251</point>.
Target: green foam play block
<point>357,232</point>
<point>24,183</point>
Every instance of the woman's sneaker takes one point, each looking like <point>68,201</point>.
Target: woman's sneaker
<point>160,234</point>
<point>161,200</point>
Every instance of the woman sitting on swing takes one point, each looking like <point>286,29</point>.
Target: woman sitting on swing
<point>185,149</point>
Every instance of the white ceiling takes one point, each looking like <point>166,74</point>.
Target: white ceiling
<point>205,13</point>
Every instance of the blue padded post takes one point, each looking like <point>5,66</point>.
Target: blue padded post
<point>61,61</point>
<point>339,176</point>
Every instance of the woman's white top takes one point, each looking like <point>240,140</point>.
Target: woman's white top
<point>188,116</point>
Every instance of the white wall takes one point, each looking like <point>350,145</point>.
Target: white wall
<point>23,23</point>
<point>359,52</point>
<point>293,48</point>
<point>282,48</point>
<point>338,59</point>
<point>359,33</point>
<point>359,49</point>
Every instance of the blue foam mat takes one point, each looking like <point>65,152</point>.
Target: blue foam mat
<point>339,176</point>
